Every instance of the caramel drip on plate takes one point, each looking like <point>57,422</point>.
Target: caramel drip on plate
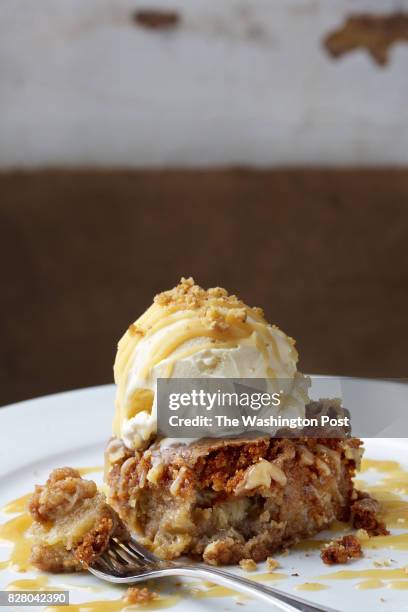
<point>397,585</point>
<point>117,605</point>
<point>15,532</point>
<point>394,512</point>
<point>388,491</point>
<point>214,590</point>
<point>266,577</point>
<point>17,505</point>
<point>42,583</point>
<point>399,484</point>
<point>30,584</point>
<point>311,586</point>
<point>374,583</point>
<point>395,542</point>
<point>380,465</point>
<point>367,573</point>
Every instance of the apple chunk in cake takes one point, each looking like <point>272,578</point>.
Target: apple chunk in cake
<point>228,500</point>
<point>72,522</point>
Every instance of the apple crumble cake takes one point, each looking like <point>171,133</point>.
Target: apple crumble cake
<point>229,500</point>
<point>72,522</point>
<point>220,500</point>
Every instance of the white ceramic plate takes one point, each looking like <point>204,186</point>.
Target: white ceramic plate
<point>72,429</point>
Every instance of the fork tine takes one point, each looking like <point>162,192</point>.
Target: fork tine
<point>118,564</point>
<point>136,552</point>
<point>104,564</point>
<point>141,551</point>
<point>126,554</point>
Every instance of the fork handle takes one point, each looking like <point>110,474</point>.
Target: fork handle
<point>282,601</point>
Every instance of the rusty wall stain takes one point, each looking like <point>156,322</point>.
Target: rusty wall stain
<point>375,33</point>
<point>156,19</point>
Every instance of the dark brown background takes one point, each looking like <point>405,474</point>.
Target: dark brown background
<point>323,252</point>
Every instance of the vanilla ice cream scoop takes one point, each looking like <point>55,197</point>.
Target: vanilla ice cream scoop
<point>189,332</point>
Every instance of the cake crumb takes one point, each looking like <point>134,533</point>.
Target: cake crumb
<point>271,564</point>
<point>365,514</point>
<point>382,563</point>
<point>134,595</point>
<point>362,535</point>
<point>341,550</point>
<point>248,565</point>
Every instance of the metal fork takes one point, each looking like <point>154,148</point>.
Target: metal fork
<point>128,562</point>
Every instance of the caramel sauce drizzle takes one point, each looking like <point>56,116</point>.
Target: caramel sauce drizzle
<point>17,505</point>
<point>380,573</point>
<point>311,586</point>
<point>215,590</point>
<point>373,583</point>
<point>30,584</point>
<point>117,605</point>
<point>397,585</point>
<point>380,465</point>
<point>15,531</point>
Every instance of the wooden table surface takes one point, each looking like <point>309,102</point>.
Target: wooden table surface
<point>324,252</point>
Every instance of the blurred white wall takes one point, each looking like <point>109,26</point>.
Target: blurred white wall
<point>238,82</point>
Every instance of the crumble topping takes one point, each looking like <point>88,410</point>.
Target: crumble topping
<point>62,493</point>
<point>72,522</point>
<point>219,309</point>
